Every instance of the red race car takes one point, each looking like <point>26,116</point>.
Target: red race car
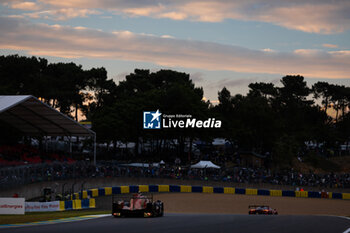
<point>136,205</point>
<point>262,209</point>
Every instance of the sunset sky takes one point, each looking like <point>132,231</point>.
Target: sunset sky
<point>220,43</point>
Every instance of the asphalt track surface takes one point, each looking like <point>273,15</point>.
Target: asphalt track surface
<point>203,223</point>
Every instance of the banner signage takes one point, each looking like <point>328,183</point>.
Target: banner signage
<point>42,206</point>
<point>12,205</point>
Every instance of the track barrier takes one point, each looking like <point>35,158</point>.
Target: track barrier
<point>77,204</point>
<point>96,192</point>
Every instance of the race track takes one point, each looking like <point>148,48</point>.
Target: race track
<point>203,223</point>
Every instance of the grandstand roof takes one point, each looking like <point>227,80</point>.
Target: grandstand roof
<point>33,117</point>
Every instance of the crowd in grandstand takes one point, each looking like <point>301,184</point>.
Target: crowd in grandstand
<point>84,169</point>
<point>22,164</point>
<point>24,154</point>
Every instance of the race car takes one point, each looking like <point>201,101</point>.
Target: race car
<point>136,205</point>
<point>262,209</point>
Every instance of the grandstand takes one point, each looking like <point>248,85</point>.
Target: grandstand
<point>25,164</point>
<point>32,117</point>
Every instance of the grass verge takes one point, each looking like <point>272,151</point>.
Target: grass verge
<point>43,216</point>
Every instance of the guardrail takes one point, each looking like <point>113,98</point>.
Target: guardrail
<point>204,189</point>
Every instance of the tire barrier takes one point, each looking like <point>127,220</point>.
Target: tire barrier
<point>251,192</point>
<point>96,192</point>
<point>346,196</point>
<point>316,195</point>
<point>77,204</point>
<point>301,193</point>
<point>276,193</point>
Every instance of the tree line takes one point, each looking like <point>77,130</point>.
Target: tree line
<point>269,118</point>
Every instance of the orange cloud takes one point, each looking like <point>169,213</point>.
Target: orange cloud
<point>333,46</point>
<point>312,16</point>
<point>69,42</point>
<point>26,6</point>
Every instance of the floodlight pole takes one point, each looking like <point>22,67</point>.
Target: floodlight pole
<point>94,149</point>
